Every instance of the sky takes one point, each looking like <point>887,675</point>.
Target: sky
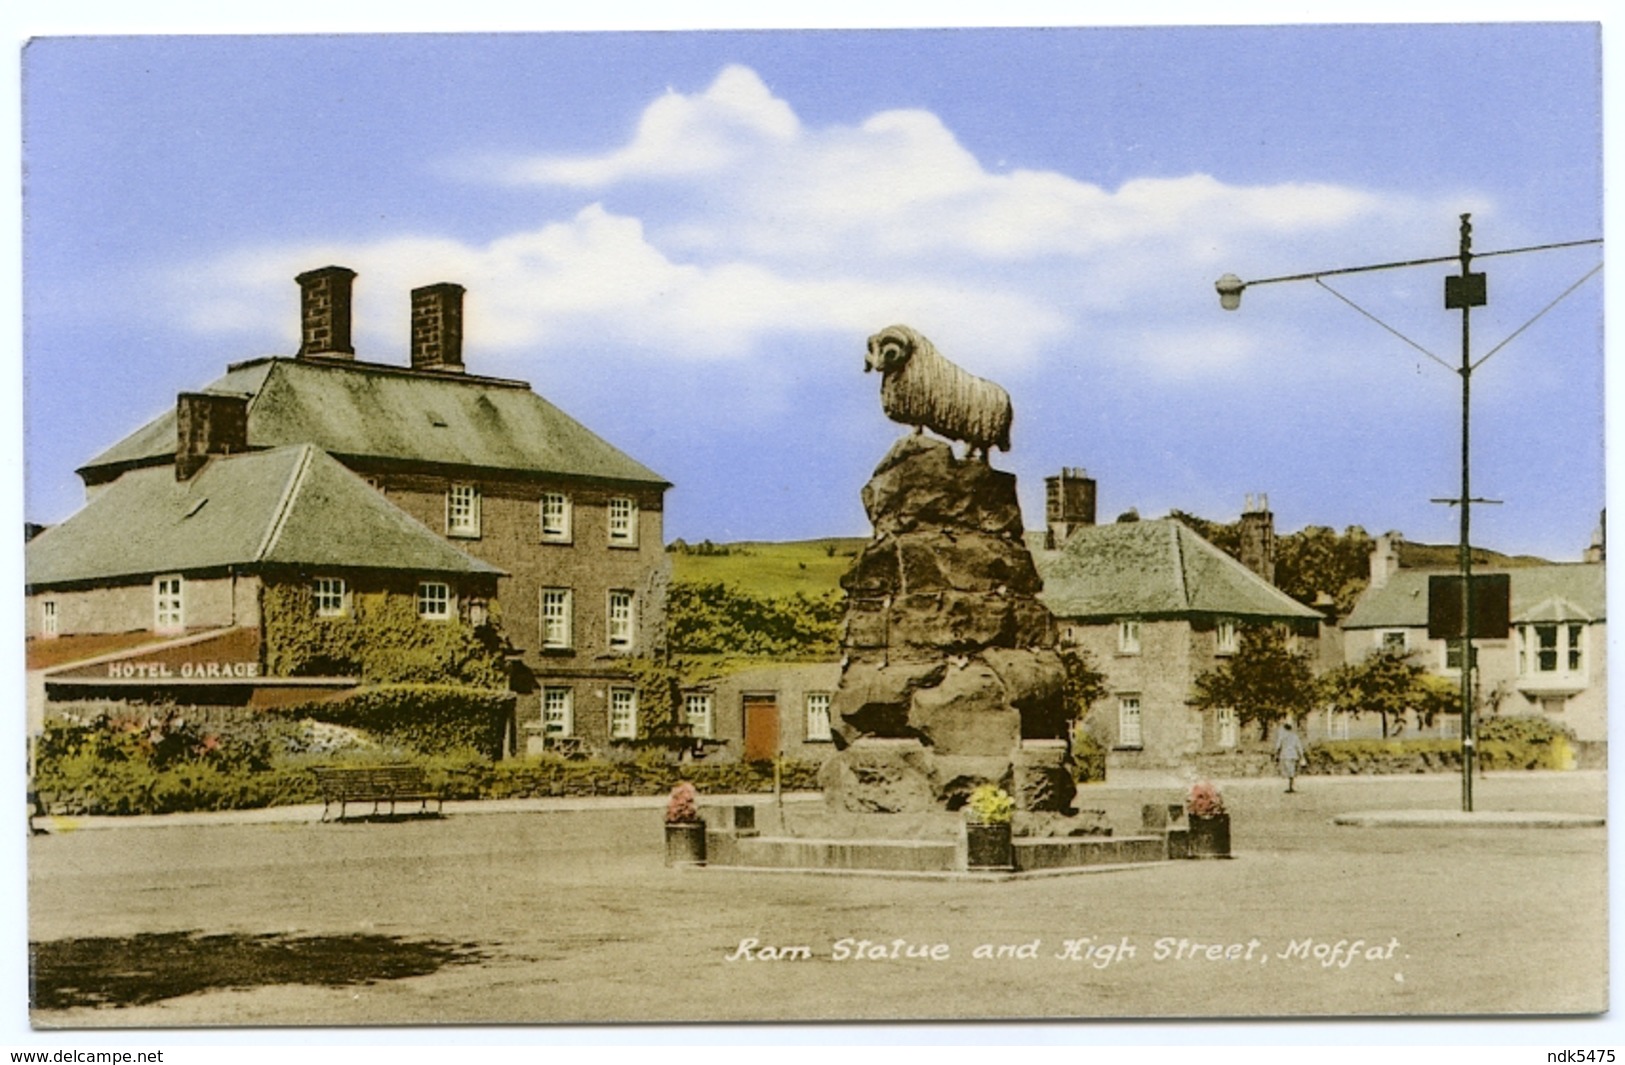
<point>685,238</point>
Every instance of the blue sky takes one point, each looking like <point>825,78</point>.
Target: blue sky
<point>685,238</point>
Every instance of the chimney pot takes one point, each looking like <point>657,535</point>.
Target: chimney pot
<point>437,327</point>
<point>324,312</point>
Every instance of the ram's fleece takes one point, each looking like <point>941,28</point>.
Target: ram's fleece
<point>920,387</point>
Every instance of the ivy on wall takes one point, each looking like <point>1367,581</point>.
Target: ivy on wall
<point>382,640</point>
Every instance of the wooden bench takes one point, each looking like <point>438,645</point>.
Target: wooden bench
<point>376,784</point>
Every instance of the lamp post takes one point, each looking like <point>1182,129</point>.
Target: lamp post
<point>1462,292</point>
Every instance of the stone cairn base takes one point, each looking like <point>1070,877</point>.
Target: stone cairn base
<point>951,678</point>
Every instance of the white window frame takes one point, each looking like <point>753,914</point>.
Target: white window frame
<point>557,506</point>
<point>49,622</point>
<point>1570,651</point>
<point>622,620</point>
<point>324,590</point>
<point>463,510</point>
<point>558,711</point>
<point>169,603</point>
<point>818,717</point>
<point>1226,637</point>
<point>623,713</point>
<point>1394,640</point>
<point>1130,722</point>
<point>1229,727</point>
<point>434,601</point>
<point>1337,724</point>
<point>623,521</point>
<point>1128,636</point>
<point>557,611</point>
<point>699,714</point>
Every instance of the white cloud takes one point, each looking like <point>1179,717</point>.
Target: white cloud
<point>682,136</point>
<point>724,223</point>
<point>596,279</point>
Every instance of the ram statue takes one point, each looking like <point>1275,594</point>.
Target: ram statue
<point>920,387</point>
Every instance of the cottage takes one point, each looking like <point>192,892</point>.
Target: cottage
<point>1155,606</point>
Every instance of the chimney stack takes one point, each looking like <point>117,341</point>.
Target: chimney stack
<point>1385,558</point>
<point>437,327</point>
<point>207,424</point>
<point>1069,504</point>
<point>324,312</point>
<point>1258,537</point>
<point>1597,551</point>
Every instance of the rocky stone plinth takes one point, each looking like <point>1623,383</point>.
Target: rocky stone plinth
<point>951,676</point>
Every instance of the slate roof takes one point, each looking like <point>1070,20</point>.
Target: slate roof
<point>291,505</point>
<point>1574,591</point>
<point>359,409</point>
<point>1155,568</point>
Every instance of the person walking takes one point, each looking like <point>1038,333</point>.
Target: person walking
<point>1289,751</point>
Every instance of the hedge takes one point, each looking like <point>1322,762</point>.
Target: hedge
<point>1502,743</point>
<point>429,719</point>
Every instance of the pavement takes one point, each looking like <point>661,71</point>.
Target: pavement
<point>574,918</point>
<point>1123,781</point>
<point>1463,819</point>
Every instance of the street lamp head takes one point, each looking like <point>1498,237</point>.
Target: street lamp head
<point>1230,287</point>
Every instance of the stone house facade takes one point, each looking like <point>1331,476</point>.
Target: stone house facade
<point>755,713</point>
<point>1154,606</point>
<point>564,530</point>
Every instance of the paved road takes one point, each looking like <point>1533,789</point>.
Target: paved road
<point>578,920</point>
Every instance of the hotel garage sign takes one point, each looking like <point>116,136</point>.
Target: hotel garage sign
<point>217,658</point>
<point>185,670</point>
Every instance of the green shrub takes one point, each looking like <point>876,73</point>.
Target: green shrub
<point>542,776</point>
<point>717,618</point>
<point>1088,757</point>
<point>426,718</point>
<point>1502,743</point>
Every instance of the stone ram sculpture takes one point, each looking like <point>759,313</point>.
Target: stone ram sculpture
<point>920,387</point>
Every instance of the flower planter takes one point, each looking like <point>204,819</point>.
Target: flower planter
<point>1210,835</point>
<point>988,848</point>
<point>685,843</point>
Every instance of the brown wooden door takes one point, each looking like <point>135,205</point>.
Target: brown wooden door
<point>761,728</point>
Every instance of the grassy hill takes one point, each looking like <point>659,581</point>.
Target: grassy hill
<point>814,567</point>
<point>1447,556</point>
<point>811,567</point>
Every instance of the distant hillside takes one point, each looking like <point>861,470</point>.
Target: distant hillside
<point>814,567</point>
<point>1445,556</point>
<point>810,567</point>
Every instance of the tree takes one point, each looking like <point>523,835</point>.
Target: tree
<point>1085,685</point>
<point>1385,683</point>
<point>1317,560</point>
<point>1388,683</point>
<point>1308,563</point>
<point>1264,682</point>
